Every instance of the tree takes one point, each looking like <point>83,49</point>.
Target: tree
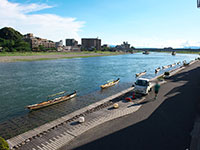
<point>41,48</point>
<point>95,50</point>
<point>106,48</point>
<point>132,47</point>
<point>3,144</point>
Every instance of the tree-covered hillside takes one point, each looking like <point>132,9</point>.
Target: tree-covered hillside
<point>12,40</point>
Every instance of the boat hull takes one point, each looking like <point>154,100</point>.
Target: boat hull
<point>140,74</point>
<point>51,102</point>
<point>110,84</point>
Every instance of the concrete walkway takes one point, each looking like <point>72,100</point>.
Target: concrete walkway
<point>164,124</point>
<point>64,133</point>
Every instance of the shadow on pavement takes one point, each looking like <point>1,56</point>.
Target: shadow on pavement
<point>167,128</point>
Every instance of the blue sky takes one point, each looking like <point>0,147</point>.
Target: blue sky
<point>143,23</point>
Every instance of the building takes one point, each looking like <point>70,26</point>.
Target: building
<point>71,42</point>
<point>198,3</point>
<point>37,42</point>
<point>59,45</point>
<point>72,45</point>
<point>124,47</point>
<point>91,44</point>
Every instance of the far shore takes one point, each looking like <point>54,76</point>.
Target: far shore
<point>37,56</point>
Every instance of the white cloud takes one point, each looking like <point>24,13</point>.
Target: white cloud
<point>50,26</point>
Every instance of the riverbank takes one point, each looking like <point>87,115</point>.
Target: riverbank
<point>36,56</point>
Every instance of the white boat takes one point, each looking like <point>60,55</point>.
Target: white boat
<point>172,65</point>
<point>165,67</point>
<point>140,74</point>
<point>157,70</point>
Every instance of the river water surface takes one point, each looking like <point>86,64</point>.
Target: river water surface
<point>25,83</point>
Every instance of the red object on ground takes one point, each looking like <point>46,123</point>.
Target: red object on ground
<point>133,95</point>
<point>128,99</point>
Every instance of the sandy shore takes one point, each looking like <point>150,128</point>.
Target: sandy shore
<point>47,57</point>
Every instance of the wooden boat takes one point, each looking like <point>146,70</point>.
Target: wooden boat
<point>109,84</point>
<point>146,52</point>
<point>157,70</point>
<point>172,65</point>
<point>53,101</point>
<point>165,67</point>
<point>140,74</point>
<point>174,53</point>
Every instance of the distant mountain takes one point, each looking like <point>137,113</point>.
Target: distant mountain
<point>10,34</point>
<point>12,40</point>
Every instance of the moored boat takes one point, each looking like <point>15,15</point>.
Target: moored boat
<point>157,70</point>
<point>173,53</point>
<point>165,67</point>
<point>109,84</point>
<point>52,101</point>
<point>172,65</point>
<point>146,52</point>
<point>140,74</point>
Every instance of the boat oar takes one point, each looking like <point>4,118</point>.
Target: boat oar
<point>56,94</point>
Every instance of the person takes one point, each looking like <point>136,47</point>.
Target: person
<point>156,89</point>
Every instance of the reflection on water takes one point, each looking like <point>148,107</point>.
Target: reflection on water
<point>24,83</point>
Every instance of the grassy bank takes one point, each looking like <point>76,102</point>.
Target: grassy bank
<point>40,59</point>
<point>37,56</point>
<point>53,53</point>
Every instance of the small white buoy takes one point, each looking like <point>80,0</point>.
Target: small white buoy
<point>81,119</point>
<point>115,105</point>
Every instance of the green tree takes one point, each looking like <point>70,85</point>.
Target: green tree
<point>132,47</point>
<point>41,48</point>
<point>3,144</point>
<point>106,48</point>
<point>95,50</point>
<point>22,46</point>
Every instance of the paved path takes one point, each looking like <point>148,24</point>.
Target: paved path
<point>164,124</point>
<point>64,133</point>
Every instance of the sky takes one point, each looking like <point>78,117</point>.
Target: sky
<point>143,23</point>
